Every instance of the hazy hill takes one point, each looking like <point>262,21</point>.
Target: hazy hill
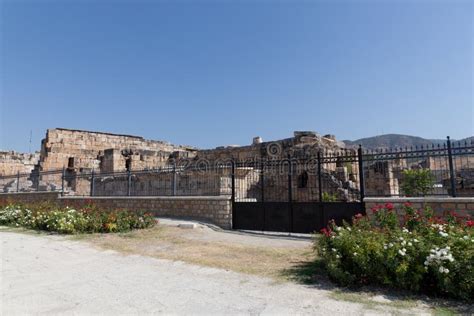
<point>396,140</point>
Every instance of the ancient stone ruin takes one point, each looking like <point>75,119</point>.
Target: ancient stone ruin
<point>80,152</point>
<point>77,154</point>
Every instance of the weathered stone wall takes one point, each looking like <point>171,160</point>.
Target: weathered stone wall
<point>179,182</point>
<point>83,149</point>
<point>12,162</point>
<point>382,179</point>
<point>29,197</point>
<point>302,144</point>
<point>462,206</point>
<point>215,209</point>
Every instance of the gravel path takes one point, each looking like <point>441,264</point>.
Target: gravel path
<point>52,275</point>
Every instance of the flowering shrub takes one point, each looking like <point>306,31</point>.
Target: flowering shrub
<point>420,252</point>
<point>68,220</point>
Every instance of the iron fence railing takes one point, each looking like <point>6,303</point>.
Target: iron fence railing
<point>348,175</point>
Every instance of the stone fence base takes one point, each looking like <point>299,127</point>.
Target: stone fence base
<point>214,209</point>
<point>218,209</point>
<point>463,206</point>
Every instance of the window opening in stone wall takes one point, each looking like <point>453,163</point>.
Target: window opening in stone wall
<point>70,163</point>
<point>303,180</point>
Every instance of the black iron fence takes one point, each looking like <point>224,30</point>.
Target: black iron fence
<point>349,175</point>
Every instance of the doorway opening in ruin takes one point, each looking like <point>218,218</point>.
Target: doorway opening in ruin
<point>303,180</point>
<point>128,164</point>
<point>70,163</point>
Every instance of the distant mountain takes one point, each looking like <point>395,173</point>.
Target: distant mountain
<point>397,141</point>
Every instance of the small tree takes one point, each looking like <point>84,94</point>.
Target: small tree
<point>417,182</point>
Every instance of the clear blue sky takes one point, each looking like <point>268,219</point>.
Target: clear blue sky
<point>210,73</point>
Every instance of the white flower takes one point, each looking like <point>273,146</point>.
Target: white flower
<point>333,249</point>
<point>466,237</point>
<point>402,253</point>
<point>404,243</point>
<point>355,254</point>
<point>443,234</point>
<point>415,240</point>
<point>348,228</point>
<point>390,245</point>
<point>401,238</point>
<point>410,244</point>
<point>405,230</point>
<point>338,256</point>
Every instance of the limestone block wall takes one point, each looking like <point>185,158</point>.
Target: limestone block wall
<point>441,205</point>
<point>381,179</point>
<point>303,143</point>
<point>12,162</point>
<point>84,149</point>
<point>28,197</point>
<point>217,209</point>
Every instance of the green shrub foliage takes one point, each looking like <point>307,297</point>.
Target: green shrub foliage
<point>420,252</point>
<point>417,182</point>
<point>68,220</point>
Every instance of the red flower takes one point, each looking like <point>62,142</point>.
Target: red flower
<point>326,232</point>
<point>470,223</point>
<point>407,204</point>
<point>389,206</point>
<point>358,216</point>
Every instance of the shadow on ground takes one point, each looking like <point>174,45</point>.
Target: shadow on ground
<point>312,274</point>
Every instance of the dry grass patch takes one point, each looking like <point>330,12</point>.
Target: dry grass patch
<point>174,243</point>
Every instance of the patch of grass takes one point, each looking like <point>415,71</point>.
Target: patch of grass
<point>367,299</point>
<point>305,272</point>
<point>401,301</point>
<point>23,230</point>
<point>174,243</point>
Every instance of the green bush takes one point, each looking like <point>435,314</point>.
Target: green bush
<point>88,219</point>
<point>328,197</point>
<point>421,253</point>
<point>417,182</point>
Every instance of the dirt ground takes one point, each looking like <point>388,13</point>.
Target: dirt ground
<point>261,255</point>
<point>169,269</point>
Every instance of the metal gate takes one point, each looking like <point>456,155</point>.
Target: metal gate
<point>296,217</point>
<point>298,195</point>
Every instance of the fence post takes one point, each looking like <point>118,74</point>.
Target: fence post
<point>452,175</point>
<point>92,182</point>
<point>174,179</point>
<point>320,182</point>
<point>262,179</point>
<point>129,182</point>
<point>290,193</point>
<point>37,181</point>
<point>233,182</point>
<point>361,173</point>
<point>63,176</point>
<point>18,181</point>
